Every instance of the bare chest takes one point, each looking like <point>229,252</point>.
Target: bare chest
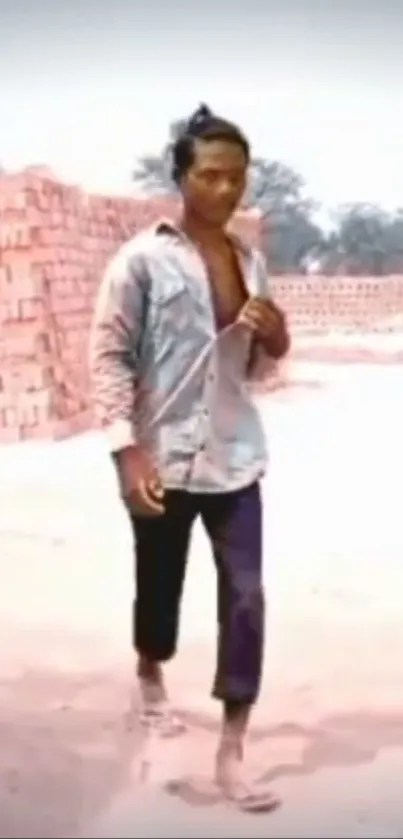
<point>227,285</point>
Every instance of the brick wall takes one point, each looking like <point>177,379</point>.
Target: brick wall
<point>54,242</point>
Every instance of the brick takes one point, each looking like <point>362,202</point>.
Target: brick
<point>9,311</point>
<point>30,309</point>
<point>14,235</point>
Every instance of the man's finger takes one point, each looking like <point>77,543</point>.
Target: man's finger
<point>267,308</point>
<point>149,493</point>
<point>267,315</point>
<point>247,314</point>
<point>246,320</point>
<point>156,488</point>
<point>252,320</point>
<point>141,503</point>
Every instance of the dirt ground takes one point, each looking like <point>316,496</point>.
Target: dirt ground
<point>328,731</point>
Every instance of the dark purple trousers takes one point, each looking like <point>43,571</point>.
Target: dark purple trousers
<point>233,522</point>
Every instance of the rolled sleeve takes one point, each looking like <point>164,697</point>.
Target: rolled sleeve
<point>115,335</point>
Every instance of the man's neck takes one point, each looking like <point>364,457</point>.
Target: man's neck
<point>205,235</point>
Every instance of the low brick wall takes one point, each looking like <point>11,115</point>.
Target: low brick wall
<point>316,305</point>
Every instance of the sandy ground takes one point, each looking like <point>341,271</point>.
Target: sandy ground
<point>328,731</point>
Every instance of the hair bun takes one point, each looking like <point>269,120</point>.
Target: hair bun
<point>198,120</point>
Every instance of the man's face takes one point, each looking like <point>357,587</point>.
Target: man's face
<point>214,185</point>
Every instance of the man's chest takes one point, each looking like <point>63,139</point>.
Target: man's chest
<point>204,284</point>
<point>191,296</point>
<point>226,283</point>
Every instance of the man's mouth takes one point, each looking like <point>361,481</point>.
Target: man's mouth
<point>223,209</point>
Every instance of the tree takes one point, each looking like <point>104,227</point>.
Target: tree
<point>291,238</point>
<point>153,172</point>
<point>366,241</point>
<point>273,186</point>
<point>394,243</point>
<point>291,241</point>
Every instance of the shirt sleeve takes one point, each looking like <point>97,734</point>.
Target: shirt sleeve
<point>115,335</point>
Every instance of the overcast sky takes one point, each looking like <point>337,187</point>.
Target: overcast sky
<point>85,88</point>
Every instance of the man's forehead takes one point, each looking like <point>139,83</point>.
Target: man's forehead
<point>219,152</point>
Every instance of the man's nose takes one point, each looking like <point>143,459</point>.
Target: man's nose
<point>224,190</point>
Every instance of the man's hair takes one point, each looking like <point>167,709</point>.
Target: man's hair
<point>203,125</point>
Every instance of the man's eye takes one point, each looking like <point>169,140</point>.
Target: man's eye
<point>211,177</point>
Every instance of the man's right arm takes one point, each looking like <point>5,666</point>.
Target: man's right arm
<point>115,334</point>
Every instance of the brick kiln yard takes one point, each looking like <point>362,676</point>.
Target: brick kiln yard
<point>329,729</point>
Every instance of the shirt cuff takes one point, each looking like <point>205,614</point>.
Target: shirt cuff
<point>120,435</point>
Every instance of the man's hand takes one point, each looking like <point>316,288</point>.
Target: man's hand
<point>268,325</point>
<point>140,485</point>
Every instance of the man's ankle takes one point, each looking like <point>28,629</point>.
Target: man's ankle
<point>151,681</point>
<point>228,748</point>
<point>234,730</point>
<point>149,670</point>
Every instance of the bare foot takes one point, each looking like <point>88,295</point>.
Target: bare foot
<point>245,795</point>
<point>156,714</point>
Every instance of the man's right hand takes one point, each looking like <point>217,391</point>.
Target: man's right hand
<point>140,485</point>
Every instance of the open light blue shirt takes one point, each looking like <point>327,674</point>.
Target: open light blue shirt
<point>162,374</point>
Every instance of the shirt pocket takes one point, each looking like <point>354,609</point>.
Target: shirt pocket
<point>172,309</point>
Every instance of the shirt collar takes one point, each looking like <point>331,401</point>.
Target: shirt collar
<point>165,226</point>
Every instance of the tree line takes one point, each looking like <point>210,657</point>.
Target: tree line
<point>364,240</point>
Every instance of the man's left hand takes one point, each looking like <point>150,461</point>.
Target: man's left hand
<point>268,325</point>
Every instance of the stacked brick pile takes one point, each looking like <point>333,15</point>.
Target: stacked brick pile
<point>54,243</point>
<point>360,305</point>
<point>344,320</point>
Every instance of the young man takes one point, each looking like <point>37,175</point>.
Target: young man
<point>184,315</point>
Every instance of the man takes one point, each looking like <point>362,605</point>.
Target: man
<point>184,317</point>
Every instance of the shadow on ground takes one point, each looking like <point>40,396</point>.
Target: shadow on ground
<point>341,740</point>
